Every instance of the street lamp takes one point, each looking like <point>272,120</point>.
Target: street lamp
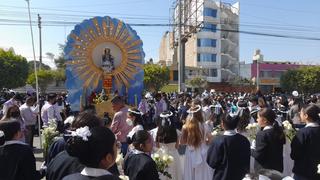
<point>35,71</point>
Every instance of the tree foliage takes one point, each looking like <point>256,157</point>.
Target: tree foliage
<point>31,66</point>
<point>197,82</point>
<point>45,77</point>
<point>155,76</point>
<point>13,69</point>
<point>305,80</point>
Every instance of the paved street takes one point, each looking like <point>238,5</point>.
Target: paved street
<point>38,152</point>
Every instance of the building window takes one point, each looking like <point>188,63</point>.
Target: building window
<point>209,27</point>
<point>210,12</point>
<point>213,73</point>
<point>207,57</point>
<point>277,74</point>
<point>266,74</point>
<point>207,43</point>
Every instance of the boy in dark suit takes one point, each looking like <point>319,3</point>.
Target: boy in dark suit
<point>229,154</point>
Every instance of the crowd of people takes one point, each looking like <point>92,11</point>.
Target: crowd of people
<point>205,133</point>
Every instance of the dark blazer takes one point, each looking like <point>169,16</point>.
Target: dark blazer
<point>305,151</point>
<point>229,156</point>
<point>17,162</point>
<point>62,165</point>
<point>140,167</point>
<point>79,176</point>
<point>269,150</point>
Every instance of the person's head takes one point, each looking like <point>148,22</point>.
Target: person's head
<point>261,102</point>
<point>30,101</point>
<point>95,148</point>
<point>195,114</point>
<point>106,51</point>
<point>266,117</point>
<point>117,103</point>
<point>9,130</point>
<point>135,116</point>
<point>310,113</point>
<point>244,118</point>
<point>254,100</point>
<point>17,97</point>
<point>194,135</point>
<point>86,119</point>
<point>142,141</point>
<point>52,98</point>
<point>166,130</point>
<point>12,112</point>
<point>230,122</point>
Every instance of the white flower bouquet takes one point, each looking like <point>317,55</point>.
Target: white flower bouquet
<point>162,160</point>
<point>49,133</point>
<point>252,130</point>
<point>289,131</point>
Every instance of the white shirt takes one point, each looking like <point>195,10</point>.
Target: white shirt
<point>229,132</point>
<point>48,112</point>
<point>28,115</point>
<point>94,172</point>
<point>8,104</point>
<point>267,127</point>
<point>312,124</point>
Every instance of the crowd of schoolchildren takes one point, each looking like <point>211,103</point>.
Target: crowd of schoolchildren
<point>181,124</point>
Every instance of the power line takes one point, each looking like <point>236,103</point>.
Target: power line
<point>169,25</point>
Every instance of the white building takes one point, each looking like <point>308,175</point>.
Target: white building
<point>212,40</point>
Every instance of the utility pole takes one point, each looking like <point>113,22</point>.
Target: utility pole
<point>35,70</point>
<point>180,46</point>
<point>40,41</point>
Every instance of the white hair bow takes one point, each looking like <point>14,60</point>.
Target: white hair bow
<point>83,132</point>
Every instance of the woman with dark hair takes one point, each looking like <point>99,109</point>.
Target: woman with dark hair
<point>134,118</point>
<point>167,140</point>
<point>268,151</point>
<point>17,161</point>
<point>59,162</point>
<point>305,146</point>
<point>138,165</point>
<point>96,150</point>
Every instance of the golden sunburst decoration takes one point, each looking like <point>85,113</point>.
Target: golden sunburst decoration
<point>86,40</point>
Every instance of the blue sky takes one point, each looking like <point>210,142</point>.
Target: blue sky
<point>285,17</point>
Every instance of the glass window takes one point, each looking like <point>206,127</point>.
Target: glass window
<point>207,43</point>
<point>207,57</point>
<point>210,12</point>
<point>213,72</point>
<point>209,27</point>
<point>266,74</point>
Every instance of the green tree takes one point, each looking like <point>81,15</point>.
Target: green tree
<point>13,69</point>
<point>197,82</point>
<point>45,77</point>
<point>59,75</point>
<point>155,76</point>
<point>31,66</point>
<point>304,80</point>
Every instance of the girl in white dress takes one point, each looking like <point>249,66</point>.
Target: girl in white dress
<point>167,141</point>
<point>195,135</point>
<point>134,118</point>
